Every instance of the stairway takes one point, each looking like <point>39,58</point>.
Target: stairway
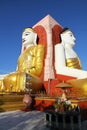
<point>10,102</point>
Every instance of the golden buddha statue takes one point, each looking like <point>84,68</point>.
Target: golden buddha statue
<point>30,65</point>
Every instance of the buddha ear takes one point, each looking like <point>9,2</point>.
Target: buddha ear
<point>61,37</point>
<point>35,39</point>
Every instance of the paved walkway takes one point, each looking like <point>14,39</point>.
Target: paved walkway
<point>18,120</point>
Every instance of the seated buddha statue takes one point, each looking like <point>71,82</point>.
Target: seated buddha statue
<point>68,63</point>
<point>30,65</point>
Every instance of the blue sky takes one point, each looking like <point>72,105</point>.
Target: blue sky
<point>15,15</point>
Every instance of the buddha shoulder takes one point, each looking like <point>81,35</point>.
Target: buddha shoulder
<point>36,47</point>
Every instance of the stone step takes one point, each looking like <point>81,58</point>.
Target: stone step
<point>11,102</point>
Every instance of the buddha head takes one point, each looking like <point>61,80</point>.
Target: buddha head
<point>67,38</point>
<point>29,37</point>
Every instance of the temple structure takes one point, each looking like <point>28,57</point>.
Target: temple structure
<point>45,73</point>
<point>48,31</point>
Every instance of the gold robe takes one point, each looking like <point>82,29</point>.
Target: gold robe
<point>31,61</point>
<point>73,63</point>
<point>30,66</point>
<point>79,85</point>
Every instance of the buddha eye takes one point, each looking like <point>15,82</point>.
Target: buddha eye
<point>26,34</point>
<point>71,35</point>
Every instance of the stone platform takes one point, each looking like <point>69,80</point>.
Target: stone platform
<point>9,102</point>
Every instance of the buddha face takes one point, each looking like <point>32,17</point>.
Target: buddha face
<point>68,38</point>
<point>29,37</point>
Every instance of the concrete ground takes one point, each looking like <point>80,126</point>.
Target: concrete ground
<point>19,120</point>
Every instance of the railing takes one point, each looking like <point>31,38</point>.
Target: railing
<point>66,120</point>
